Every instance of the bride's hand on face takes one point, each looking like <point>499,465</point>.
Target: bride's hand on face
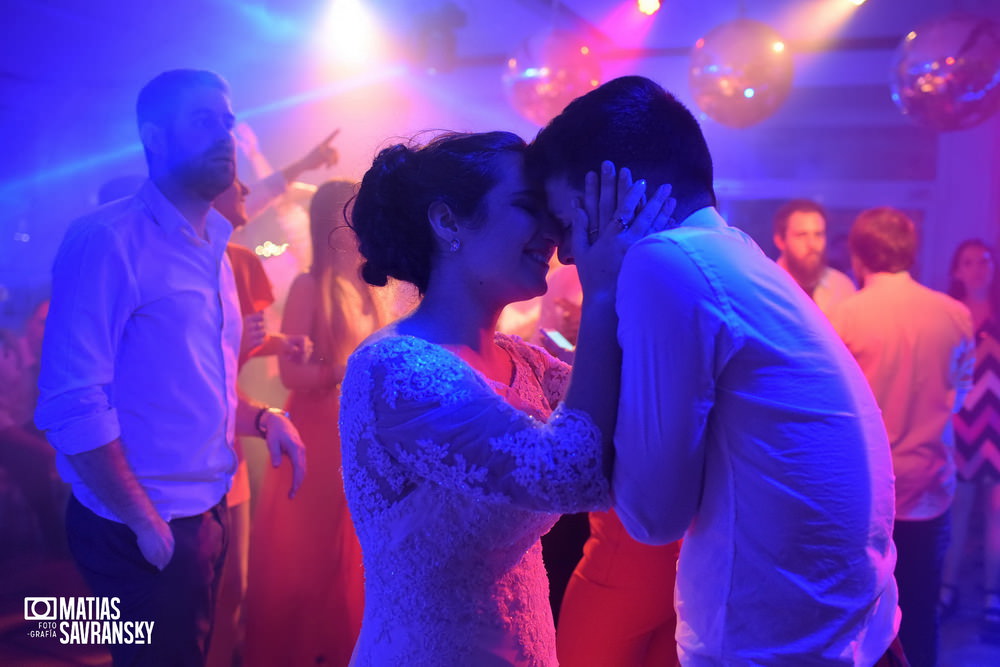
<point>614,214</point>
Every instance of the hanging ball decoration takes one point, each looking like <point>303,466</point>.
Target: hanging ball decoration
<point>946,74</point>
<point>740,73</point>
<point>549,71</point>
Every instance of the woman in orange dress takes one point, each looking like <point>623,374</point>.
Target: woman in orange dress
<point>306,592</point>
<point>618,604</point>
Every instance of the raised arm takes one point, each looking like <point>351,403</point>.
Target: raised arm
<point>613,216</point>
<point>322,154</point>
<point>674,343</point>
<point>272,183</point>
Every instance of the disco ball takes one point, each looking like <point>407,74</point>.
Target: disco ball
<point>740,72</point>
<point>549,71</point>
<point>946,74</point>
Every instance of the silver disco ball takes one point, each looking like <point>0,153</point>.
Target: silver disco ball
<point>946,74</point>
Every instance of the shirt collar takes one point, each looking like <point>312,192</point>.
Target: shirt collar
<point>705,217</point>
<point>165,214</point>
<point>883,277</point>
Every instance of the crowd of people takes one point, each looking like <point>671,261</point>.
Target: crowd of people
<point>757,461</point>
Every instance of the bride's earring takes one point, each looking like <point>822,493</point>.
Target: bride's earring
<point>455,245</point>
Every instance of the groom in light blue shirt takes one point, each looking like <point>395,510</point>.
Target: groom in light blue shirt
<point>744,425</point>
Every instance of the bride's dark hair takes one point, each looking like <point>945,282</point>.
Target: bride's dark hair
<point>389,214</point>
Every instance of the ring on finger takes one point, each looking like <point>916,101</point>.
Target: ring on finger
<point>623,222</point>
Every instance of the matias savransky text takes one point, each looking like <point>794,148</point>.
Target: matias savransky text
<point>85,620</point>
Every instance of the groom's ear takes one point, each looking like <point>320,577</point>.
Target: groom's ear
<point>443,221</point>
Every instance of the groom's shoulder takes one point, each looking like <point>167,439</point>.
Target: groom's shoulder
<point>672,260</point>
<point>681,247</point>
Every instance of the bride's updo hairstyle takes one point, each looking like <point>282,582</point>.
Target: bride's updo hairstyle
<point>390,211</point>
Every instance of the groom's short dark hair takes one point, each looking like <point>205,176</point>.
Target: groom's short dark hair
<point>635,123</point>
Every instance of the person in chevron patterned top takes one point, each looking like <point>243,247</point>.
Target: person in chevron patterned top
<point>977,433</point>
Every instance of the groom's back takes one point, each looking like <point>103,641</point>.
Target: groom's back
<point>790,548</point>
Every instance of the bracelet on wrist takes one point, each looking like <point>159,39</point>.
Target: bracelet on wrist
<point>259,422</point>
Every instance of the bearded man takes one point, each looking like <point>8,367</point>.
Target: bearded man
<point>800,236</point>
<point>137,389</point>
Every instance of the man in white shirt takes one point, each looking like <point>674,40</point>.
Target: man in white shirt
<point>916,348</point>
<point>744,425</point>
<point>138,378</point>
<point>800,236</point>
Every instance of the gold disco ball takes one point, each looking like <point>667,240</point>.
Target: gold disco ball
<point>547,72</point>
<point>740,72</point>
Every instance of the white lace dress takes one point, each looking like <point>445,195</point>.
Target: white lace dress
<point>451,479</point>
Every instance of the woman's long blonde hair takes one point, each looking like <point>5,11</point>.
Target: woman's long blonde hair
<point>335,260</point>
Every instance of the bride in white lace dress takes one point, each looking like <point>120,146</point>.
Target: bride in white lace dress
<point>461,446</point>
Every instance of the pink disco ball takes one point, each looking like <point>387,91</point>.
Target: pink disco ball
<point>740,72</point>
<point>946,74</point>
<point>548,72</point>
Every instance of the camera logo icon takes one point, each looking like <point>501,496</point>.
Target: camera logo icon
<point>40,609</point>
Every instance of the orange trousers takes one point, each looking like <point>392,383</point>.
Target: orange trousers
<point>619,605</point>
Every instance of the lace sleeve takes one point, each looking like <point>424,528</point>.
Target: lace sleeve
<point>438,420</point>
<point>553,375</point>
